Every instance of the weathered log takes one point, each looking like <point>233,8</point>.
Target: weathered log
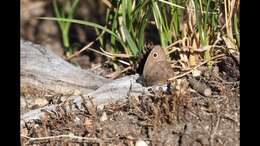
<point>118,89</point>
<point>44,70</point>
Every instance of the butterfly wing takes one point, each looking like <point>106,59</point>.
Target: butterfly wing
<point>159,72</point>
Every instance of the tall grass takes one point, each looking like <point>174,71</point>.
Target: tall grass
<point>65,11</point>
<point>126,21</point>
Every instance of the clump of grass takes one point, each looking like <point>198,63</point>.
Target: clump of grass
<point>65,11</point>
<point>128,19</point>
<point>196,21</point>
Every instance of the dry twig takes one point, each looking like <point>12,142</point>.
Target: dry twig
<point>71,138</point>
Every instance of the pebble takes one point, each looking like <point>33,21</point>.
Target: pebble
<point>141,143</point>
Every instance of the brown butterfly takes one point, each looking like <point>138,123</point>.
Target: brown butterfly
<point>157,69</point>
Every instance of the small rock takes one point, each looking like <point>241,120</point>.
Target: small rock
<point>207,92</point>
<point>103,117</point>
<point>40,102</point>
<point>141,143</point>
<point>196,73</point>
<point>77,121</point>
<point>100,107</point>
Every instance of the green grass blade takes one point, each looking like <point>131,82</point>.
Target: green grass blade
<point>207,14</point>
<point>81,22</point>
<point>130,41</point>
<point>136,12</point>
<point>214,22</point>
<point>141,33</point>
<point>159,22</point>
<point>57,13</point>
<point>87,24</point>
<point>114,28</point>
<point>236,29</point>
<point>174,24</point>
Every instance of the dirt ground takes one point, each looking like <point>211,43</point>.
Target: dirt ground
<point>181,116</point>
